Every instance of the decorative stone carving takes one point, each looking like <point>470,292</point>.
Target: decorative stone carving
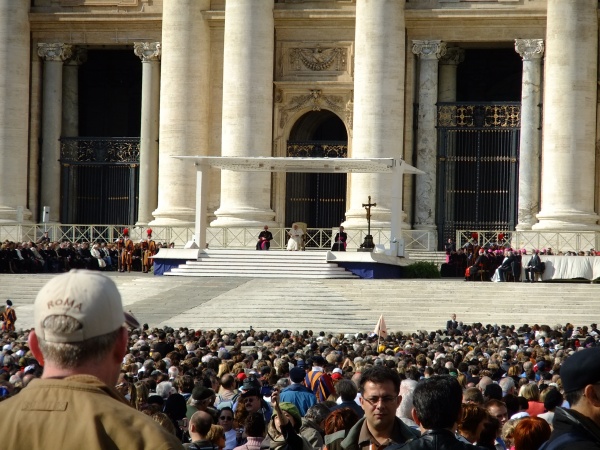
<point>147,51</point>
<point>55,51</point>
<point>429,49</point>
<point>530,48</point>
<point>453,56</point>
<point>318,58</point>
<point>315,60</point>
<point>315,100</point>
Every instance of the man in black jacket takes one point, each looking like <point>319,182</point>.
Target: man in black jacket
<point>437,402</point>
<point>533,266</point>
<point>578,428</point>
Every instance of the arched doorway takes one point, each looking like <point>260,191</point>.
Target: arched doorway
<point>318,199</point>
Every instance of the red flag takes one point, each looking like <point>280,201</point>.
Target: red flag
<point>381,327</point>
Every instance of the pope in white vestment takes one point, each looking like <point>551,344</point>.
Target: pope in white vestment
<point>295,242</point>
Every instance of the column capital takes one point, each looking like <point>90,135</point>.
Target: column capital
<point>429,49</point>
<point>453,56</point>
<point>78,57</point>
<point>530,49</point>
<point>147,51</point>
<point>54,51</point>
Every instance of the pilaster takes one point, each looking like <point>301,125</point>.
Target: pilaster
<point>428,52</point>
<point>149,53</point>
<point>53,55</point>
<point>532,52</point>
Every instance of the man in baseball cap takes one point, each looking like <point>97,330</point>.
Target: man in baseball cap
<point>80,338</point>
<point>579,427</point>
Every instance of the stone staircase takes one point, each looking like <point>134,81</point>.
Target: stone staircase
<point>336,305</point>
<point>255,264</point>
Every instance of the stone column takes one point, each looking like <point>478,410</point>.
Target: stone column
<point>184,100</point>
<point>149,53</point>
<point>70,92</point>
<point>569,116</point>
<point>14,113</point>
<point>54,55</point>
<point>429,53</point>
<point>532,51</point>
<point>447,73</point>
<point>378,105</point>
<point>247,111</point>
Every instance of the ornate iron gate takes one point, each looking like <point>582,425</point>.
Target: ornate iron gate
<point>318,199</point>
<point>478,167</point>
<point>99,180</point>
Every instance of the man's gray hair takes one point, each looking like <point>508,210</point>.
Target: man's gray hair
<point>74,354</point>
<point>506,384</point>
<point>164,389</point>
<point>407,389</point>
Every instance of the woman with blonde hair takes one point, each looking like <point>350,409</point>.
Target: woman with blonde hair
<point>532,393</point>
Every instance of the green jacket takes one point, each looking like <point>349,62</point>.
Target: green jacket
<point>77,412</point>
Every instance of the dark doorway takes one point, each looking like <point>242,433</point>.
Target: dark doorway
<point>318,199</point>
<point>110,93</point>
<point>490,75</point>
<point>100,167</point>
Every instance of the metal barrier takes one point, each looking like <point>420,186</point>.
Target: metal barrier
<point>216,237</point>
<point>531,239</point>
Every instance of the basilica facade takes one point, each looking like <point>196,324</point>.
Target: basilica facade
<point>494,100</point>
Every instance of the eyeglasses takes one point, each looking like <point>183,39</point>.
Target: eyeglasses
<point>374,401</point>
<point>226,418</point>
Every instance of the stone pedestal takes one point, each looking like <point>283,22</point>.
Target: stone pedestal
<point>378,105</point>
<point>54,55</point>
<point>570,94</point>
<point>14,95</point>
<point>532,51</point>
<point>149,53</point>
<point>425,199</point>
<point>247,111</point>
<point>184,99</point>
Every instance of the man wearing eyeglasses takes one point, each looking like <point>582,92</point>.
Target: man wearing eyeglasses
<point>380,428</point>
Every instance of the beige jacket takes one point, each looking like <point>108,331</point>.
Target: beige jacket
<point>78,412</point>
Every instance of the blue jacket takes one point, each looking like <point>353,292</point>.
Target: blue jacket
<point>300,396</point>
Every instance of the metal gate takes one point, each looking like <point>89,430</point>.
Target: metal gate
<point>318,199</point>
<point>99,182</point>
<point>478,167</point>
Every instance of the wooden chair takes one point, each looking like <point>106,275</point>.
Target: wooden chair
<point>302,226</point>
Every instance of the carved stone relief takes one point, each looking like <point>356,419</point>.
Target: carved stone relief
<point>325,60</point>
<point>314,100</point>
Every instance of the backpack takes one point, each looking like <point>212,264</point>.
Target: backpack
<point>226,403</point>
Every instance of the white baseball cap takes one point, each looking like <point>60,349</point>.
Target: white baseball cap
<point>89,297</point>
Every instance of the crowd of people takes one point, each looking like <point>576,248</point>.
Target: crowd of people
<point>47,256</point>
<point>489,386</point>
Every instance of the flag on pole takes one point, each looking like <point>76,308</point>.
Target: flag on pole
<point>381,327</point>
